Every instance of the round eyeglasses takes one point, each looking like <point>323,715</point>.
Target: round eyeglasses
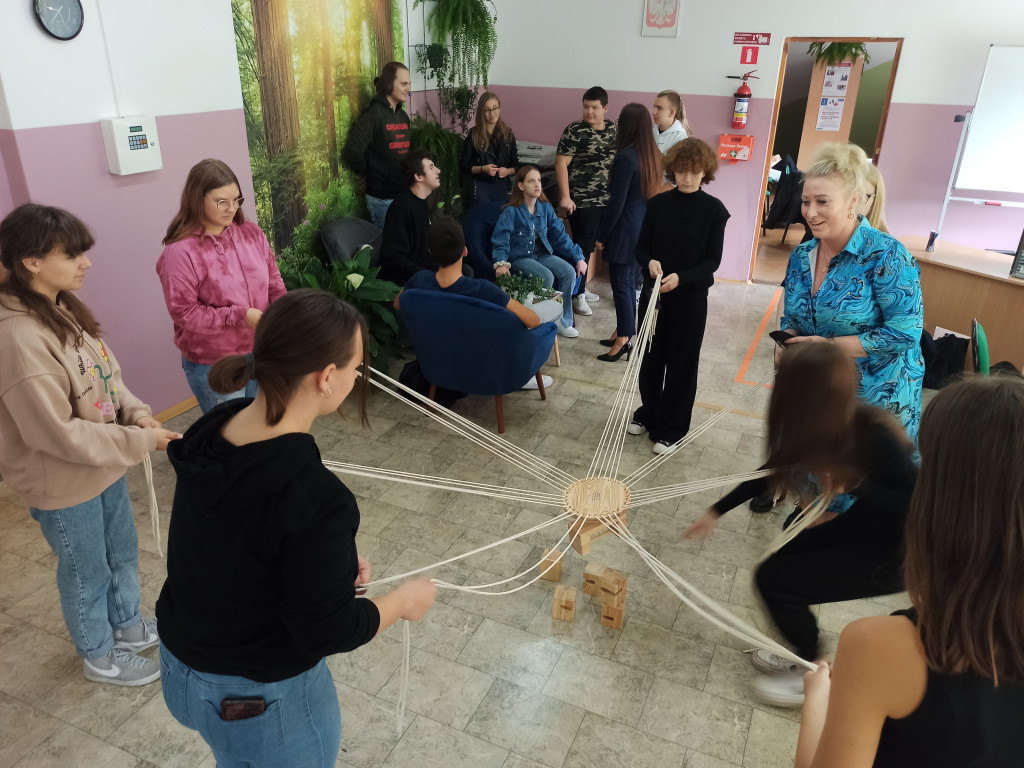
<point>230,205</point>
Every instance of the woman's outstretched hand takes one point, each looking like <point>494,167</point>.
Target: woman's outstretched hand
<point>702,526</point>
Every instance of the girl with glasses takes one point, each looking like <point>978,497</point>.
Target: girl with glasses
<point>218,273</point>
<point>489,154</point>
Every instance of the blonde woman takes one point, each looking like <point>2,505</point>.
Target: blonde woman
<point>873,201</point>
<point>489,154</point>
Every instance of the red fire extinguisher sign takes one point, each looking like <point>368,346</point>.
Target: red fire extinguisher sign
<point>748,54</point>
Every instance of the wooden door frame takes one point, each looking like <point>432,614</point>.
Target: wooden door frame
<point>778,105</point>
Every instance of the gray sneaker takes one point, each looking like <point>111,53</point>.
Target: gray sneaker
<point>773,664</point>
<point>121,667</point>
<point>590,296</point>
<point>785,690</point>
<point>138,637</point>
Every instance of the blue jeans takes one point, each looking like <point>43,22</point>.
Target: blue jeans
<point>554,271</point>
<point>300,728</point>
<point>97,567</point>
<point>378,208</point>
<point>198,381</point>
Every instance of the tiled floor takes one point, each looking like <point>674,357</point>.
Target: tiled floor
<point>494,681</point>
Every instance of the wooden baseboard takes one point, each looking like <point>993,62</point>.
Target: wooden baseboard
<point>176,410</point>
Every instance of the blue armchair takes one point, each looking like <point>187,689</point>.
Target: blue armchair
<point>473,346</point>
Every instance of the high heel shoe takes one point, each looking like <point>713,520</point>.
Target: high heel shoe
<point>608,342</point>
<point>627,350</point>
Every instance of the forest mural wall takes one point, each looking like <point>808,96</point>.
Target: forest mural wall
<point>307,69</point>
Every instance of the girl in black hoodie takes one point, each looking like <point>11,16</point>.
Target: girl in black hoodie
<point>262,568</point>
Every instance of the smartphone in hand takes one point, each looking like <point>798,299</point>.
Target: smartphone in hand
<point>780,337</point>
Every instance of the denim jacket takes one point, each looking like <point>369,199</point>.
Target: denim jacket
<point>516,232</point>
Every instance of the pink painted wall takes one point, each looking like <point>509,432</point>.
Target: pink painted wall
<point>540,114</point>
<point>915,182</point>
<point>66,166</point>
<point>6,201</point>
<point>12,178</point>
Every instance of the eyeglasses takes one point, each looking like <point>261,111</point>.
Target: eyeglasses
<point>492,110</point>
<point>230,205</point>
<point>868,197</point>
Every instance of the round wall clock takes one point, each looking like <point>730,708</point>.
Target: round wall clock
<point>62,19</point>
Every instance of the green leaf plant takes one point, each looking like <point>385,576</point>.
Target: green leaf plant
<point>828,54</point>
<point>519,287</point>
<point>356,282</point>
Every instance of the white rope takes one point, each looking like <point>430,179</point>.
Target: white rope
<point>609,446</point>
<point>497,445</point>
<point>804,520</point>
<point>154,508</point>
<point>478,550</point>
<point>403,679</point>
<point>449,484</point>
<point>662,492</point>
<point>693,434</point>
<point>725,620</point>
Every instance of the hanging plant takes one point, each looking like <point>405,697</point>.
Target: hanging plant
<point>828,54</point>
<point>467,27</point>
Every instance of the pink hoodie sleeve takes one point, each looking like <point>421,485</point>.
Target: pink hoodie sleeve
<point>276,288</point>
<point>181,293</point>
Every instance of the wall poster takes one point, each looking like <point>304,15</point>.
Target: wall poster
<point>661,18</point>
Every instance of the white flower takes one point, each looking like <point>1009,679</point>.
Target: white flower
<point>355,280</point>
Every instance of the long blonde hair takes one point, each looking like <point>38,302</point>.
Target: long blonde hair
<point>876,213</point>
<point>847,162</point>
<point>478,133</point>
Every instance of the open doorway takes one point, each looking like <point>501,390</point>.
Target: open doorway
<point>856,111</point>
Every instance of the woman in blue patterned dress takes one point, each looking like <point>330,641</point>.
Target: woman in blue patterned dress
<point>856,287</point>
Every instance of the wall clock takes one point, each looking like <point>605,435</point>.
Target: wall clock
<point>61,19</point>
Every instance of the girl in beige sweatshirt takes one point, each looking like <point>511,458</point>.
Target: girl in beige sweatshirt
<point>69,429</point>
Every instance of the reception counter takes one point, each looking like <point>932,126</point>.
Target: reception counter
<point>960,283</point>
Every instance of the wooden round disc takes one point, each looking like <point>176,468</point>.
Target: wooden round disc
<point>596,497</point>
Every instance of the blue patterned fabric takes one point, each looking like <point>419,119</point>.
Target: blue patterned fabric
<point>873,291</point>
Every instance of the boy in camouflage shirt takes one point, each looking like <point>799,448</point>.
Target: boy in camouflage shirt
<point>583,163</point>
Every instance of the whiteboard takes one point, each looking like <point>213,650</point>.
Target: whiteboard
<point>993,158</point>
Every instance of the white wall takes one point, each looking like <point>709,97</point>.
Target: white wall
<point>170,58</point>
<point>578,43</point>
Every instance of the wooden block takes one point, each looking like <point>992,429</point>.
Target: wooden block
<point>551,565</point>
<point>612,588</point>
<point>611,616</point>
<point>586,530</point>
<point>563,606</point>
<point>592,579</point>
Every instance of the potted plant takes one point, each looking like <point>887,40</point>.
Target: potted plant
<point>828,54</point>
<point>356,282</point>
<point>526,289</point>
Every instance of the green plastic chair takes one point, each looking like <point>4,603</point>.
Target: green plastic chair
<point>979,345</point>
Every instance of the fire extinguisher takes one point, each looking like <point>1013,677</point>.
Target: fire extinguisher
<point>743,93</point>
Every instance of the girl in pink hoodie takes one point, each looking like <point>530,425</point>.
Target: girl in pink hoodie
<point>218,274</point>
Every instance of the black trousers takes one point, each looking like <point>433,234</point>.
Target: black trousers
<point>585,223</point>
<point>668,376</point>
<point>803,574</point>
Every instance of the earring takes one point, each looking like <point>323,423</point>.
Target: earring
<point>851,215</point>
<point>329,393</point>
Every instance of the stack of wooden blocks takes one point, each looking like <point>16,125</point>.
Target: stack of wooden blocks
<point>609,586</point>
<point>606,584</point>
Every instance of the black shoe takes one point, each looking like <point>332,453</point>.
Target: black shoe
<point>763,503</point>
<point>627,350</point>
<point>607,342</point>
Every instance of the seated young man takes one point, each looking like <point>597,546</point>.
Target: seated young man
<point>403,247</point>
<point>447,246</point>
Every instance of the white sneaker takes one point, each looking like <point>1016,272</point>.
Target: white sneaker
<point>567,330</point>
<point>121,667</point>
<point>137,638</point>
<point>532,383</point>
<point>580,306</point>
<point>590,297</point>
<point>772,664</point>
<point>783,690</point>
<point>663,446</point>
<point>635,428</point>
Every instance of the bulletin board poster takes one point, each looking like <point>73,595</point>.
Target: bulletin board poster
<point>830,114</point>
<point>661,18</point>
<point>837,79</point>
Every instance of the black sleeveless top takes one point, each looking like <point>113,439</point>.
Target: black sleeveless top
<point>962,722</point>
